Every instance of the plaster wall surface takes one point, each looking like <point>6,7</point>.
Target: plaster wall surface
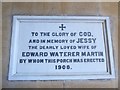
<point>57,9</point>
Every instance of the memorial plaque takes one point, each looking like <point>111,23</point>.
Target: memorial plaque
<point>61,48</point>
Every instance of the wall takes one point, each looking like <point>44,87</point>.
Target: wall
<point>0,45</point>
<point>95,9</point>
<point>60,0</point>
<point>118,41</point>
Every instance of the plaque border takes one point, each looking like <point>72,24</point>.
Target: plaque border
<point>110,74</point>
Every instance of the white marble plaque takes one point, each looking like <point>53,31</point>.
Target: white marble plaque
<point>61,48</point>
